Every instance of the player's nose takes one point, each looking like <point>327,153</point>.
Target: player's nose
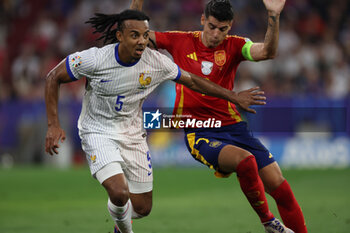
<point>216,33</point>
<point>142,40</point>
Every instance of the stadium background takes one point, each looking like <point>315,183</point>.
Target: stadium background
<point>307,85</point>
<point>305,124</point>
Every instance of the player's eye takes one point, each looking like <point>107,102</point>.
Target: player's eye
<point>223,29</point>
<point>146,35</point>
<point>134,35</point>
<point>211,26</point>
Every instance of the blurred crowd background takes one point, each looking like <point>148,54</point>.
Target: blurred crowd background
<point>313,60</point>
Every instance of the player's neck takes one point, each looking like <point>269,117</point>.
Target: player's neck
<point>124,56</point>
<point>205,42</point>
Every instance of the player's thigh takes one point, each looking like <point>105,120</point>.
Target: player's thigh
<point>138,166</point>
<point>271,176</point>
<point>209,149</point>
<point>248,142</point>
<point>269,170</point>
<point>100,151</point>
<point>204,148</point>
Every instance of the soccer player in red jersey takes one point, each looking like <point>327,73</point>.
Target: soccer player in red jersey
<point>215,55</point>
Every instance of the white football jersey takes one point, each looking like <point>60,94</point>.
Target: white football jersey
<point>115,91</point>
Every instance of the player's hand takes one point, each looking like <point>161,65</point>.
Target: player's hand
<point>274,6</point>
<point>252,96</point>
<point>53,136</point>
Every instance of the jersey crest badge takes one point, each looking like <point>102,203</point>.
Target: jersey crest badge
<point>215,144</point>
<point>207,67</point>
<point>220,57</point>
<point>144,81</point>
<point>76,61</point>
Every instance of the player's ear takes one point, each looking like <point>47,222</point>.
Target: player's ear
<point>231,23</point>
<point>118,34</point>
<point>202,19</point>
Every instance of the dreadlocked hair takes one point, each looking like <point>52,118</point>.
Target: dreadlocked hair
<point>104,23</point>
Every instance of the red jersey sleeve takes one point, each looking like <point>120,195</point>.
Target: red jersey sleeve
<point>236,44</point>
<point>170,40</point>
<point>162,39</point>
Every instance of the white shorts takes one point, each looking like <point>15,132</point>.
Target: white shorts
<point>134,158</point>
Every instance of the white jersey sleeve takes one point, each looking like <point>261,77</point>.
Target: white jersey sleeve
<point>171,71</point>
<point>81,64</point>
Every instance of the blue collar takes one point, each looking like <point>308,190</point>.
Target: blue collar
<point>120,61</point>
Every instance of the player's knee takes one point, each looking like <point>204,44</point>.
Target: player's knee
<point>143,210</point>
<point>274,184</point>
<point>119,196</point>
<point>230,156</point>
<point>242,154</point>
<point>272,177</point>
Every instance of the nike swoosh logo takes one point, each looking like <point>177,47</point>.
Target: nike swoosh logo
<point>105,81</point>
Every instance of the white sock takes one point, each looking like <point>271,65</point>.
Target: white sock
<point>121,215</point>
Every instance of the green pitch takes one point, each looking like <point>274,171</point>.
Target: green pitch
<point>40,200</point>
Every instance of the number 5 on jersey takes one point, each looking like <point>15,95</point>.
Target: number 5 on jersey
<point>119,103</point>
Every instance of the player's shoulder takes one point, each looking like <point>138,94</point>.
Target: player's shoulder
<point>105,50</point>
<point>189,34</point>
<point>152,54</point>
<point>155,58</point>
<point>102,56</point>
<point>92,52</point>
<point>235,38</point>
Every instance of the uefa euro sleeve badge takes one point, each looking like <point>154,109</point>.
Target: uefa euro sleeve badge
<point>76,61</point>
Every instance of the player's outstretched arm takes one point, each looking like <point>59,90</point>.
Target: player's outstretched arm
<point>268,49</point>
<point>55,133</point>
<point>243,99</point>
<point>136,5</point>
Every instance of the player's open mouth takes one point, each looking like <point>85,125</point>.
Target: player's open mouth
<point>139,51</point>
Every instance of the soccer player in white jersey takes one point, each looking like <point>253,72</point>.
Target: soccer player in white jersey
<point>119,77</point>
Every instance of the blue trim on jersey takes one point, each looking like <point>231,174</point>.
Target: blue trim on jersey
<point>71,75</point>
<point>120,61</point>
<point>178,74</point>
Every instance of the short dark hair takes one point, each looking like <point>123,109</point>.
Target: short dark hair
<point>220,9</point>
<point>104,23</point>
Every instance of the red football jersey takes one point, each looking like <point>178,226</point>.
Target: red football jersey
<point>218,64</point>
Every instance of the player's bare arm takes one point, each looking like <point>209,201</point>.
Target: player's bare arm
<point>244,99</point>
<point>55,133</point>
<point>136,5</point>
<point>268,49</point>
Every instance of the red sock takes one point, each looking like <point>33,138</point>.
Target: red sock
<point>253,188</point>
<point>289,208</point>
